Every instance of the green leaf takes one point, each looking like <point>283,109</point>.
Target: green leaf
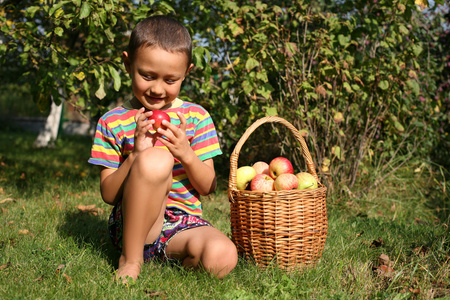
<point>59,31</point>
<point>271,111</point>
<point>417,49</point>
<point>100,93</point>
<point>85,10</point>
<point>347,87</point>
<point>265,90</point>
<point>109,34</point>
<point>236,29</point>
<point>32,10</point>
<point>343,40</point>
<point>251,63</point>
<point>399,126</point>
<point>383,84</point>
<point>336,150</point>
<point>291,49</point>
<point>247,86</point>
<point>403,30</point>
<point>414,86</point>
<point>115,75</point>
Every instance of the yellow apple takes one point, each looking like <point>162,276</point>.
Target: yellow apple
<point>243,176</point>
<point>306,181</point>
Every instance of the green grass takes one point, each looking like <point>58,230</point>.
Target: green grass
<point>50,249</point>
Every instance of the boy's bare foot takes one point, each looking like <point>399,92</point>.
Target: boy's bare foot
<point>127,271</point>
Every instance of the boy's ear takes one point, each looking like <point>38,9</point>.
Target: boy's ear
<point>126,61</point>
<point>189,68</point>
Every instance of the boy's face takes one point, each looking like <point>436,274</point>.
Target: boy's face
<point>156,75</point>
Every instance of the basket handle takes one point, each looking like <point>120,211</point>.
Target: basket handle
<point>271,119</point>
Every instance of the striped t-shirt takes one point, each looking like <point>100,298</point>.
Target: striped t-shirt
<point>114,141</point>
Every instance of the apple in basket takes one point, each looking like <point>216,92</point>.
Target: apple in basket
<point>262,183</point>
<point>261,167</point>
<point>159,116</point>
<point>285,182</point>
<point>280,165</point>
<point>244,176</point>
<point>306,181</point>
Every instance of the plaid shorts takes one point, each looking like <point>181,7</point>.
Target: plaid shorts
<point>175,221</point>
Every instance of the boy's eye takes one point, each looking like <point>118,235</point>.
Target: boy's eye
<point>147,77</point>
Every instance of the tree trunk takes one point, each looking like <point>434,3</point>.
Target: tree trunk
<point>48,134</point>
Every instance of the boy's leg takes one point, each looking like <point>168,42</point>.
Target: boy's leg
<point>204,247</point>
<point>143,204</point>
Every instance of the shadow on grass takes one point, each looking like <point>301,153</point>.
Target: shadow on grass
<point>90,231</point>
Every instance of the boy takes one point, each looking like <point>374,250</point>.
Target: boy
<point>154,179</point>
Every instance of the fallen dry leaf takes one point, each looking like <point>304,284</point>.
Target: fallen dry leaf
<point>24,231</point>
<point>90,209</point>
<point>7,265</point>
<point>377,243</point>
<point>414,291</point>
<point>155,294</point>
<point>61,266</point>
<point>421,251</point>
<point>67,277</point>
<point>384,266</point>
<point>6,200</point>
<point>383,259</point>
<point>40,278</point>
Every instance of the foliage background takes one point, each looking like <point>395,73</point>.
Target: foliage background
<point>366,81</point>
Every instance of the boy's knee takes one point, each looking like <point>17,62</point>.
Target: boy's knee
<point>154,163</point>
<point>224,253</point>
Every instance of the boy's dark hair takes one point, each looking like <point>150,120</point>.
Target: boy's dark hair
<point>163,32</point>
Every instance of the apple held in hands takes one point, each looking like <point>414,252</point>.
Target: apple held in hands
<point>244,175</point>
<point>262,183</point>
<point>280,165</point>
<point>306,181</point>
<point>261,167</point>
<point>159,116</point>
<point>285,182</point>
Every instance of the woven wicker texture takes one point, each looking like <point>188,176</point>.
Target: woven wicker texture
<point>287,228</point>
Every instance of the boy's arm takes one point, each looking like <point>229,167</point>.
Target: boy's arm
<point>201,173</point>
<point>111,180</point>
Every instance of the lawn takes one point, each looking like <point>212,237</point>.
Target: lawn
<point>392,243</point>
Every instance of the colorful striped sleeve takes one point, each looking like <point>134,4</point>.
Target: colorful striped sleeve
<point>107,149</point>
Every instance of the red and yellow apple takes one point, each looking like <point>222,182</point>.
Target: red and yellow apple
<point>244,176</point>
<point>261,167</point>
<point>159,116</point>
<point>285,181</point>
<point>262,183</point>
<point>280,165</point>
<point>306,181</point>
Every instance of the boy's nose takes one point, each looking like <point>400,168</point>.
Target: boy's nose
<point>156,88</point>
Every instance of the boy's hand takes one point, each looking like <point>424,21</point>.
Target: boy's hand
<point>176,141</point>
<point>143,138</point>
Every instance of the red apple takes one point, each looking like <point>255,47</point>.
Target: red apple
<point>262,183</point>
<point>280,165</point>
<point>159,116</point>
<point>286,181</point>
<point>261,167</point>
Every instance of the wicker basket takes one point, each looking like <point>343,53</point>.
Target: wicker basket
<point>286,228</point>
